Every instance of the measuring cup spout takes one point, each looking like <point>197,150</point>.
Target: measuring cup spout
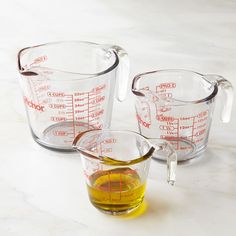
<point>90,143</point>
<point>76,145</point>
<point>24,70</point>
<point>143,92</point>
<point>110,148</point>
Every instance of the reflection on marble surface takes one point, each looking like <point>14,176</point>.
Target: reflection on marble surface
<point>43,192</point>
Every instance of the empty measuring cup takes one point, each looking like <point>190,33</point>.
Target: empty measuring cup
<point>68,87</point>
<point>177,105</point>
<point>116,165</point>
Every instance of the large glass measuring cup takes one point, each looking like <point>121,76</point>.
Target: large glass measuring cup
<point>116,165</point>
<point>177,105</point>
<point>68,87</point>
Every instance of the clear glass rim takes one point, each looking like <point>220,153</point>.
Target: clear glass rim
<point>86,75</point>
<point>124,163</point>
<point>207,98</point>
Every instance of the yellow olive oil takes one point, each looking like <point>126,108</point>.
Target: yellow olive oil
<point>116,191</point>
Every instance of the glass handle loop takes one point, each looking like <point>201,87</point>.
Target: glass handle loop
<point>227,90</point>
<point>122,71</point>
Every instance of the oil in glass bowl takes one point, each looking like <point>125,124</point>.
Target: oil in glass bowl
<point>116,191</point>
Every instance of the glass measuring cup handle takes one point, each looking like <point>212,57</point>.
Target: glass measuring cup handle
<point>171,162</point>
<point>164,147</point>
<point>227,89</point>
<point>122,71</point>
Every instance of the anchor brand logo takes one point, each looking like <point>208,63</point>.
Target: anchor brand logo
<point>144,123</point>
<point>33,105</point>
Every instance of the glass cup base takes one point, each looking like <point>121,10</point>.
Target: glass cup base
<point>118,212</point>
<point>60,136</point>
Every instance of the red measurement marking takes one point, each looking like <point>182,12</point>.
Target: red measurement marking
<point>98,125</point>
<point>46,101</point>
<point>169,85</point>
<point>97,100</point>
<point>167,95</point>
<point>202,114</point>
<point>171,133</point>
<point>58,119</point>
<point>193,128</point>
<point>100,145</point>
<point>55,94</point>
<point>148,112</point>
<point>96,114</point>
<point>57,106</point>
<point>81,118</point>
<point>86,175</point>
<point>201,132</point>
<point>185,127</point>
<point>95,119</point>
<point>165,118</point>
<point>94,106</point>
<point>81,105</point>
<point>33,90</point>
<point>199,140</point>
<point>68,100</point>
<point>43,88</point>
<point>88,110</point>
<point>109,141</point>
<point>145,88</point>
<point>79,99</point>
<point>61,112</point>
<point>202,119</point>
<point>106,150</point>
<point>58,100</point>
<point>73,114</point>
<point>201,126</point>
<point>60,133</point>
<point>68,141</point>
<point>166,127</point>
<point>98,88</point>
<point>93,110</point>
<point>185,147</point>
<point>81,111</point>
<point>177,133</point>
<point>186,118</point>
<point>164,109</point>
<point>39,60</point>
<point>197,127</point>
<point>89,105</point>
<point>79,94</point>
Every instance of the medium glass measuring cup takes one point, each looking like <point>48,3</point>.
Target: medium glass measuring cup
<point>116,165</point>
<point>68,87</point>
<point>177,105</point>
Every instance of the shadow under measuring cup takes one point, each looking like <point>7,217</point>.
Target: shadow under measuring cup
<point>177,105</point>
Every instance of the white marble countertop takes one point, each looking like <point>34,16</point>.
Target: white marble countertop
<point>43,193</point>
